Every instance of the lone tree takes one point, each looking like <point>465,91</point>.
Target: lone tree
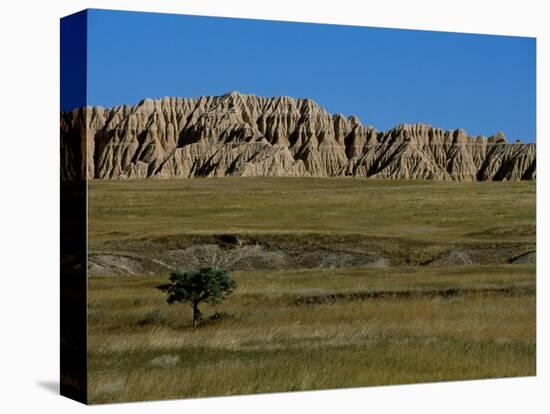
<point>208,284</point>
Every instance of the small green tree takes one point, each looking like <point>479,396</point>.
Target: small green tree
<point>208,284</point>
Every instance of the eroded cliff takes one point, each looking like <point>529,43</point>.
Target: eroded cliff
<point>247,135</point>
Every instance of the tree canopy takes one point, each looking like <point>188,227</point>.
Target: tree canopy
<point>208,284</point>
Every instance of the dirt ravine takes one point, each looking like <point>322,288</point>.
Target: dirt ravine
<point>279,252</point>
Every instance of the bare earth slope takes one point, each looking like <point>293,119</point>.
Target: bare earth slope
<point>247,135</point>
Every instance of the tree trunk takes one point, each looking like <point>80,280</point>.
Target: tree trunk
<point>196,315</point>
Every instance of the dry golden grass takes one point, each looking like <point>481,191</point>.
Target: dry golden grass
<point>140,348</point>
<point>268,343</point>
<point>423,210</point>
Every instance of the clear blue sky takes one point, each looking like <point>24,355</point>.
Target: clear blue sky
<point>385,76</point>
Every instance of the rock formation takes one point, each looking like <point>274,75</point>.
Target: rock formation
<point>247,135</point>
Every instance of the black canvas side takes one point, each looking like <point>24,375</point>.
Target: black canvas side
<point>73,206</point>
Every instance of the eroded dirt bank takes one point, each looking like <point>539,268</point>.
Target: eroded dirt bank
<point>304,251</point>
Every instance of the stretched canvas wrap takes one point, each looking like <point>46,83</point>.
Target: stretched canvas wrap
<point>253,206</point>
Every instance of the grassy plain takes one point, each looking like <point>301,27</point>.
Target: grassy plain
<point>360,328</point>
<point>423,210</point>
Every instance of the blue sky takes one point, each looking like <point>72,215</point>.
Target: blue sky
<point>384,76</point>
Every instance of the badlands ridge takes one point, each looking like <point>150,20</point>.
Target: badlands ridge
<point>246,135</point>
